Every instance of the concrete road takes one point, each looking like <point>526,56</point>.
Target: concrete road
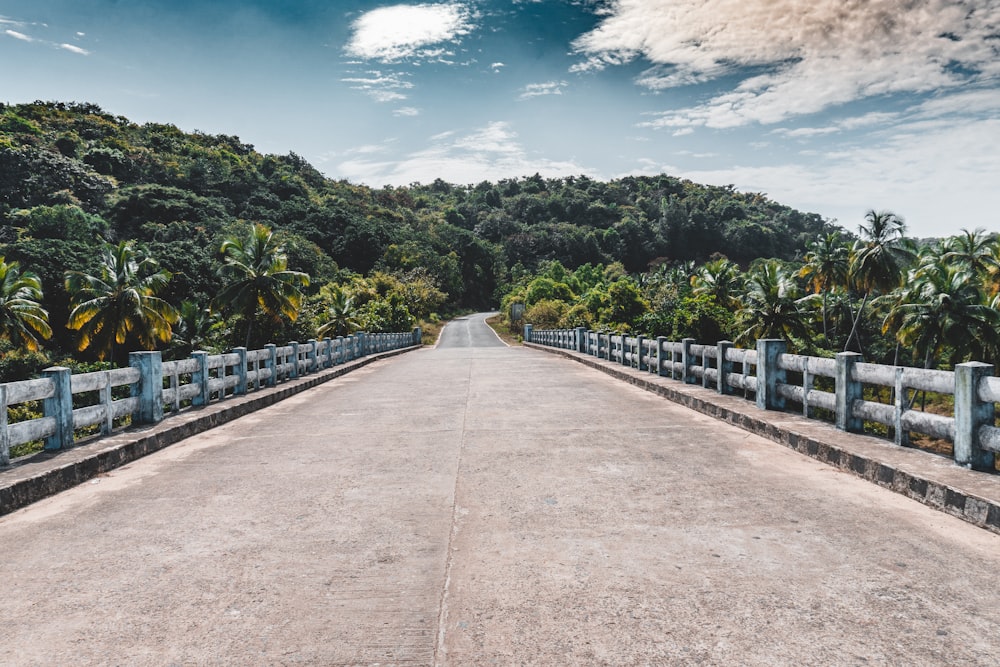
<point>490,506</point>
<point>470,331</point>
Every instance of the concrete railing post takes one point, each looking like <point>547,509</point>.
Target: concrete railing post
<point>313,357</point>
<point>662,364</point>
<point>687,361</point>
<point>339,358</point>
<point>241,371</point>
<point>971,412</point>
<point>271,363</point>
<point>200,377</point>
<point>527,333</point>
<point>725,366</point>
<point>848,390</point>
<point>295,360</point>
<point>639,349</point>
<point>60,407</point>
<point>624,360</point>
<point>769,376</point>
<point>359,343</point>
<point>149,389</point>
<point>581,339</point>
<point>418,336</point>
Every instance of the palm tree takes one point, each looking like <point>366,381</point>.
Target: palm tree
<point>341,313</point>
<point>194,326</point>
<point>942,306</point>
<point>770,306</point>
<point>976,249</point>
<point>120,302</point>
<point>878,259</point>
<point>22,318</point>
<point>257,279</point>
<point>826,268</point>
<point>719,278</point>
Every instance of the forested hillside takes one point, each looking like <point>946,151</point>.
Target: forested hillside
<point>76,181</point>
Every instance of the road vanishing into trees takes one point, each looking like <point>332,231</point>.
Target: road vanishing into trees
<point>478,504</point>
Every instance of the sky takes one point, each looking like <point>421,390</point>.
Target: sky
<point>831,106</point>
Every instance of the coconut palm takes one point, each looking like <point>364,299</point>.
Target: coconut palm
<point>120,303</point>
<point>942,306</point>
<point>342,315</point>
<point>878,260</point>
<point>826,268</point>
<point>22,319</point>
<point>771,304</point>
<point>195,325</point>
<point>719,278</point>
<point>976,249</point>
<point>257,279</point>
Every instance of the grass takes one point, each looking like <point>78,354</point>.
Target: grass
<point>506,335</point>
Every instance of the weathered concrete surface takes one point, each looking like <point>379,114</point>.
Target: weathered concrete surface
<point>499,510</point>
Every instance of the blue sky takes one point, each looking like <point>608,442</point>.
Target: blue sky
<point>830,106</point>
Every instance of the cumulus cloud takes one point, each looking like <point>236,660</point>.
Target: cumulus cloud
<point>805,55</point>
<point>406,112</point>
<point>402,32</point>
<point>490,152</point>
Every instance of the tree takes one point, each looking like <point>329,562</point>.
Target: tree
<point>194,327</point>
<point>257,278</point>
<point>878,259</point>
<point>719,278</point>
<point>770,304</point>
<point>341,314</point>
<point>120,302</point>
<point>826,268</point>
<point>22,319</point>
<point>942,306</point>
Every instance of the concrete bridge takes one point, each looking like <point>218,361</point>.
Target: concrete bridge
<point>475,504</point>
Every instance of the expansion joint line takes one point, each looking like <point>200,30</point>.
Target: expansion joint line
<point>440,651</point>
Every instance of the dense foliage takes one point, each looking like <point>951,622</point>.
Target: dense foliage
<point>895,300</point>
<point>75,181</point>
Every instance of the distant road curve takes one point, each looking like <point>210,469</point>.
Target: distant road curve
<point>469,331</point>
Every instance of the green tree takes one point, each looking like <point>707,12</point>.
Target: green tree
<point>878,260</point>
<point>194,329</point>
<point>22,319</point>
<point>257,279</point>
<point>826,268</point>
<point>719,278</point>
<point>771,304</point>
<point>341,313</point>
<point>120,303</point>
<point>942,307</point>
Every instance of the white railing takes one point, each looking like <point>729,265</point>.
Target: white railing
<point>764,373</point>
<point>157,386</point>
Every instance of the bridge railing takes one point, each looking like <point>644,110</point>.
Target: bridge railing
<point>156,387</point>
<point>834,389</point>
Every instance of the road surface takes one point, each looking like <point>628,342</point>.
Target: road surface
<point>490,506</point>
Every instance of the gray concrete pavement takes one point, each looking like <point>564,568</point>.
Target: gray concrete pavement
<point>469,331</point>
<point>467,506</point>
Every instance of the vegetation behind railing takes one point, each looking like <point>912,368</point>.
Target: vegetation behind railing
<point>156,387</point>
<point>833,388</point>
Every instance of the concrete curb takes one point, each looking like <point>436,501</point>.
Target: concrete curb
<point>925,477</point>
<point>45,474</point>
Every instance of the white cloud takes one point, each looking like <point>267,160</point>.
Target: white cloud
<point>939,175</point>
<point>491,152</point>
<point>74,49</point>
<point>380,86</point>
<point>400,32</point>
<point>18,35</point>
<point>808,55</point>
<point>406,112</point>
<point>496,67</point>
<point>541,89</point>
